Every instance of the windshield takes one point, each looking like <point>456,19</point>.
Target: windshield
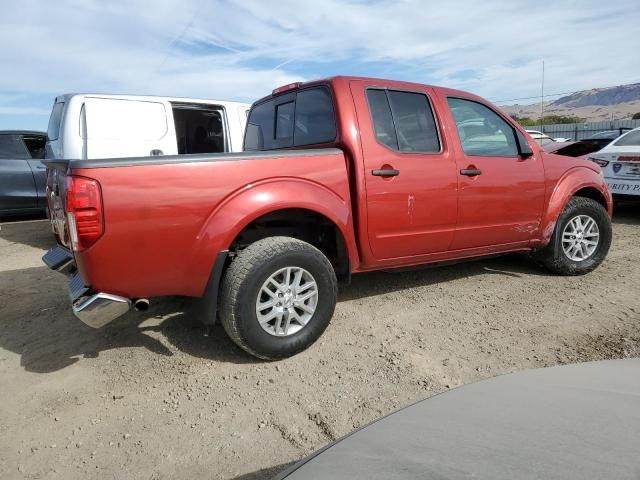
<point>631,139</point>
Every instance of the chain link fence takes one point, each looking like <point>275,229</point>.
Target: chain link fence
<point>581,131</point>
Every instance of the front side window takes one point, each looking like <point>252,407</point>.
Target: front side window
<point>403,121</point>
<point>302,118</point>
<point>482,132</point>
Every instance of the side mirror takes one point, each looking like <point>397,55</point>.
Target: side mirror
<point>524,150</point>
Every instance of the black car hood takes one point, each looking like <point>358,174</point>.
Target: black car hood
<point>571,422</point>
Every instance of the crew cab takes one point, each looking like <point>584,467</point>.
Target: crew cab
<point>338,177</point>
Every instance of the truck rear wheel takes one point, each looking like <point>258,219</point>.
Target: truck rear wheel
<point>581,239</point>
<point>278,296</point>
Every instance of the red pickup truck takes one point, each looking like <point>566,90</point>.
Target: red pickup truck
<point>338,176</point>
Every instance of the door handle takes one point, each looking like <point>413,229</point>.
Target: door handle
<point>385,172</point>
<point>470,172</point>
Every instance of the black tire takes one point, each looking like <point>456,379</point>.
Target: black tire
<point>243,281</point>
<point>553,256</point>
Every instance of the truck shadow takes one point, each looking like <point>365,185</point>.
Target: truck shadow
<point>36,322</point>
<point>378,283</point>
<point>627,213</point>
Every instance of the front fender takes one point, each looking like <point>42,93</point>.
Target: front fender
<point>571,182</point>
<point>252,201</point>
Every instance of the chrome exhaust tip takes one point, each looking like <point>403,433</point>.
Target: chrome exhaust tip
<point>141,304</point>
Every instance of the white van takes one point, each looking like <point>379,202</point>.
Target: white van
<point>92,126</point>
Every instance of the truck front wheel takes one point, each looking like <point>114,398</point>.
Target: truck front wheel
<point>581,238</point>
<point>278,296</point>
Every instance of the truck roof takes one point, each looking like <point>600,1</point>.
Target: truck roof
<point>22,132</point>
<point>383,82</point>
<point>65,97</point>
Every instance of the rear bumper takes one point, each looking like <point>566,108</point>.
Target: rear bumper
<point>94,309</point>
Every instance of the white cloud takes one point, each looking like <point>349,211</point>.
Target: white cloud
<point>216,48</point>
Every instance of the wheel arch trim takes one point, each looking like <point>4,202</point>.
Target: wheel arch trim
<point>574,180</point>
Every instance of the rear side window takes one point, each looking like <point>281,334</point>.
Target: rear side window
<point>53,130</point>
<point>404,121</point>
<point>199,128</point>
<point>631,139</point>
<point>294,120</point>
<point>382,120</point>
<point>11,146</point>
<point>35,145</point>
<point>482,132</point>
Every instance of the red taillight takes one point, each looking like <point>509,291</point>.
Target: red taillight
<point>84,212</point>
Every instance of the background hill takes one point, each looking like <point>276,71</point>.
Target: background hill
<point>618,103</point>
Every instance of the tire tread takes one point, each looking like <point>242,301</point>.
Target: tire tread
<point>554,260</point>
<point>241,267</point>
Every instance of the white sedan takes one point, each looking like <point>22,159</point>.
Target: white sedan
<point>543,138</point>
<point>620,163</point>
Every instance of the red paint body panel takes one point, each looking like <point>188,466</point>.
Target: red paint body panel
<point>165,224</point>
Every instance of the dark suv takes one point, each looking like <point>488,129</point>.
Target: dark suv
<point>22,174</point>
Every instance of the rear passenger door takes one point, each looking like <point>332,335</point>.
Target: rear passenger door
<point>410,176</point>
<point>17,185</point>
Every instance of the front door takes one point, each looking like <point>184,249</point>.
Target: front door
<point>410,175</point>
<point>501,193</point>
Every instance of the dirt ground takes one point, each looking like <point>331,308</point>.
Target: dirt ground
<point>151,396</point>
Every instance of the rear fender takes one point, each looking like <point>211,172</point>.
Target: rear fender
<point>571,182</point>
<point>248,203</point>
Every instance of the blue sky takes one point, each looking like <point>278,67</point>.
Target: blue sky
<point>242,50</point>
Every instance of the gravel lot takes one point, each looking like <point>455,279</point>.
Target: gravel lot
<point>151,396</point>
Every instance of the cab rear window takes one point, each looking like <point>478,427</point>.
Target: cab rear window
<point>295,119</point>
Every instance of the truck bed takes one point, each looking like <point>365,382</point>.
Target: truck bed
<point>165,208</point>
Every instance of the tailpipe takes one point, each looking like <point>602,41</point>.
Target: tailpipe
<point>141,304</point>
